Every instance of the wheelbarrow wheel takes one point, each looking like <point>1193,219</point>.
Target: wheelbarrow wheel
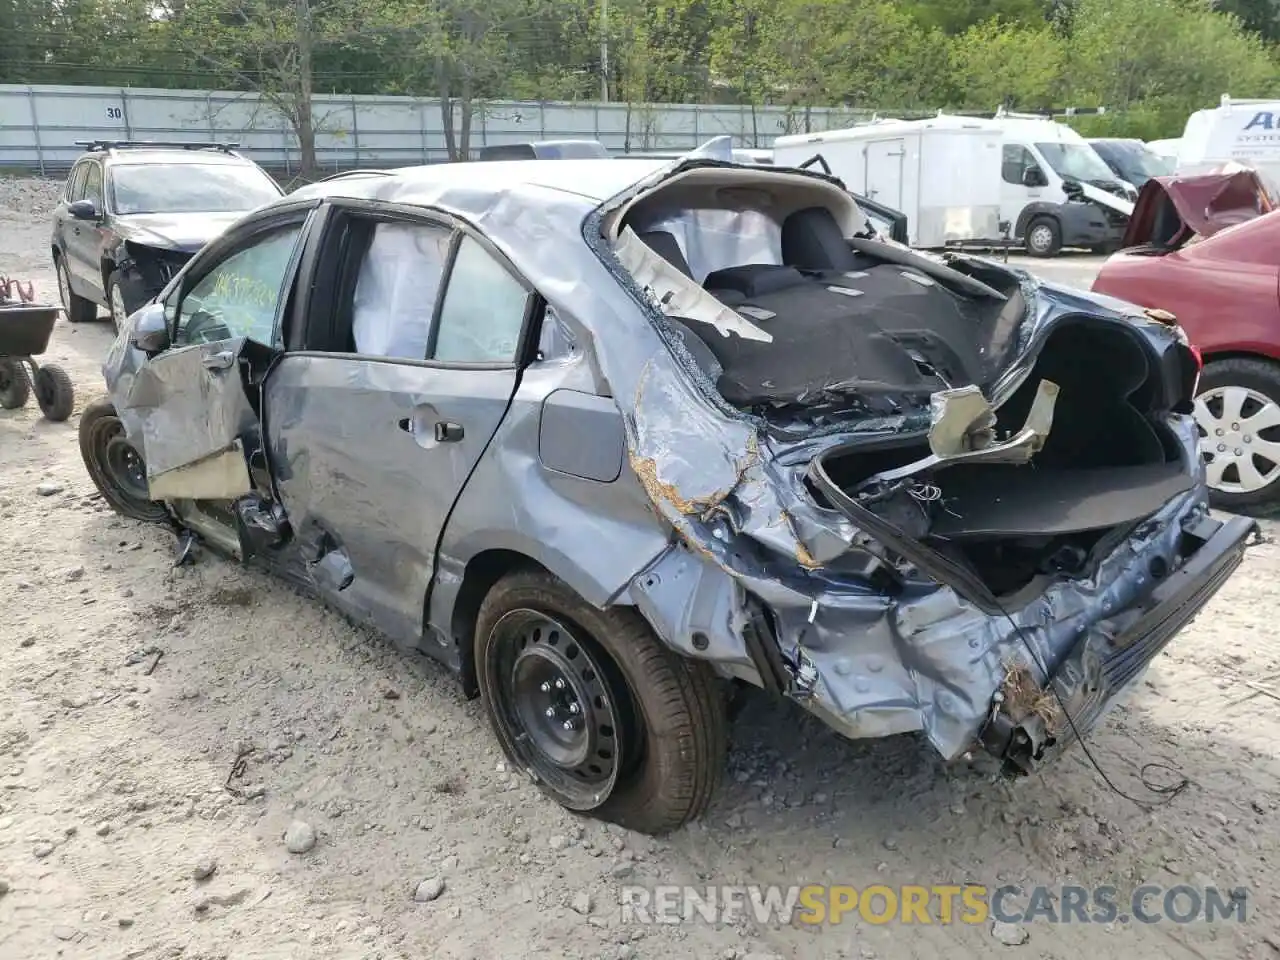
<point>14,388</point>
<point>55,393</point>
<point>114,464</point>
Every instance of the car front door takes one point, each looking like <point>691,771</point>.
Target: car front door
<point>194,408</point>
<point>404,373</point>
<point>1015,194</point>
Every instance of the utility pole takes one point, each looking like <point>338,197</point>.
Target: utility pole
<point>604,51</point>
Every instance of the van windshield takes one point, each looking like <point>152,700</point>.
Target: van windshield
<point>1075,160</point>
<point>1133,161</point>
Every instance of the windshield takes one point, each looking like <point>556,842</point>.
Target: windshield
<point>189,188</point>
<point>1075,160</point>
<point>1134,161</point>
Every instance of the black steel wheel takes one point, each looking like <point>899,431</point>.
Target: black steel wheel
<point>115,465</point>
<point>14,386</point>
<point>603,715</point>
<point>55,393</point>
<point>563,713</point>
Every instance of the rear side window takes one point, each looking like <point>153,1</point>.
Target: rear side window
<point>484,309</point>
<point>396,289</point>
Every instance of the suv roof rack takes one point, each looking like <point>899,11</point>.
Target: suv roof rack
<point>157,144</point>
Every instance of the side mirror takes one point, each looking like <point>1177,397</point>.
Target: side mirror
<point>151,332</point>
<point>84,210</point>
<point>1032,177</point>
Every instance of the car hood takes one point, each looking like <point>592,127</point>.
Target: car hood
<point>1205,203</point>
<point>184,232</point>
<point>1104,197</point>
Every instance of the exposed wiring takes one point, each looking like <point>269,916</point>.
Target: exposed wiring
<point>1165,792</point>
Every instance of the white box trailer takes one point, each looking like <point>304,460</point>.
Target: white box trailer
<point>1244,132</point>
<point>943,173</point>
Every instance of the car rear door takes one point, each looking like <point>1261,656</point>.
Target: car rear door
<point>66,228</point>
<point>84,237</point>
<point>194,408</point>
<point>408,363</point>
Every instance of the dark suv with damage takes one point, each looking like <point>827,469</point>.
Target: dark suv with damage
<point>610,438</point>
<point>133,212</point>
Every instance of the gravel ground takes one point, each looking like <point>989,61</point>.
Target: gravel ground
<point>372,815</point>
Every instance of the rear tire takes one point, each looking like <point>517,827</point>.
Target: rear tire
<point>120,478</point>
<point>55,393</point>
<point>1232,392</point>
<point>14,387</point>
<point>664,760</point>
<point>1043,237</point>
<point>77,308</point>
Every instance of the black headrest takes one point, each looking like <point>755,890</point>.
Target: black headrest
<point>811,240</point>
<point>753,279</point>
<point>666,246</point>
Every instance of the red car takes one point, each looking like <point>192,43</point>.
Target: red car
<point>1206,249</point>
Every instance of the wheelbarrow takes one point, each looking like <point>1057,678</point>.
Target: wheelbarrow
<point>25,328</point>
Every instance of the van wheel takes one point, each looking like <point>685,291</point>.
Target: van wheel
<point>595,707</point>
<point>1043,237</point>
<point>114,464</point>
<point>1238,414</point>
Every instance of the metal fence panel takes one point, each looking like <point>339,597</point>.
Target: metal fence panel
<point>40,124</point>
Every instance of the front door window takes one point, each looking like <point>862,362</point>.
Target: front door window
<point>243,295</point>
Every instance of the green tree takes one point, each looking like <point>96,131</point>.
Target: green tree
<point>1163,58</point>
<point>998,62</point>
<point>957,16</point>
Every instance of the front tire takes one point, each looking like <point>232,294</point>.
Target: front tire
<point>115,466</point>
<point>1043,237</point>
<point>645,746</point>
<point>1238,414</point>
<point>78,309</point>
<point>115,301</point>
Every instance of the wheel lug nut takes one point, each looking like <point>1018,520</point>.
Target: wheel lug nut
<point>559,684</point>
<point>550,711</point>
<point>545,688</point>
<point>574,708</point>
<point>1221,447</point>
<point>1248,439</point>
<point>1239,452</point>
<point>1235,426</point>
<point>1219,431</point>
<point>568,724</point>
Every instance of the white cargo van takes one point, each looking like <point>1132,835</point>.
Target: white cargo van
<point>1056,191</point>
<point>942,173</point>
<point>1244,131</point>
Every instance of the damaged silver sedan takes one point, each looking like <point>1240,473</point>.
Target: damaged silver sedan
<point>607,438</point>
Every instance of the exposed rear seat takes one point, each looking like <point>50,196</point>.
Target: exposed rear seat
<point>837,317</point>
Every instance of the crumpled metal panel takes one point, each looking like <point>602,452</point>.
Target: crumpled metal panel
<point>185,413</point>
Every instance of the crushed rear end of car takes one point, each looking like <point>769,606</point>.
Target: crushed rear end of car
<point>911,493</point>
